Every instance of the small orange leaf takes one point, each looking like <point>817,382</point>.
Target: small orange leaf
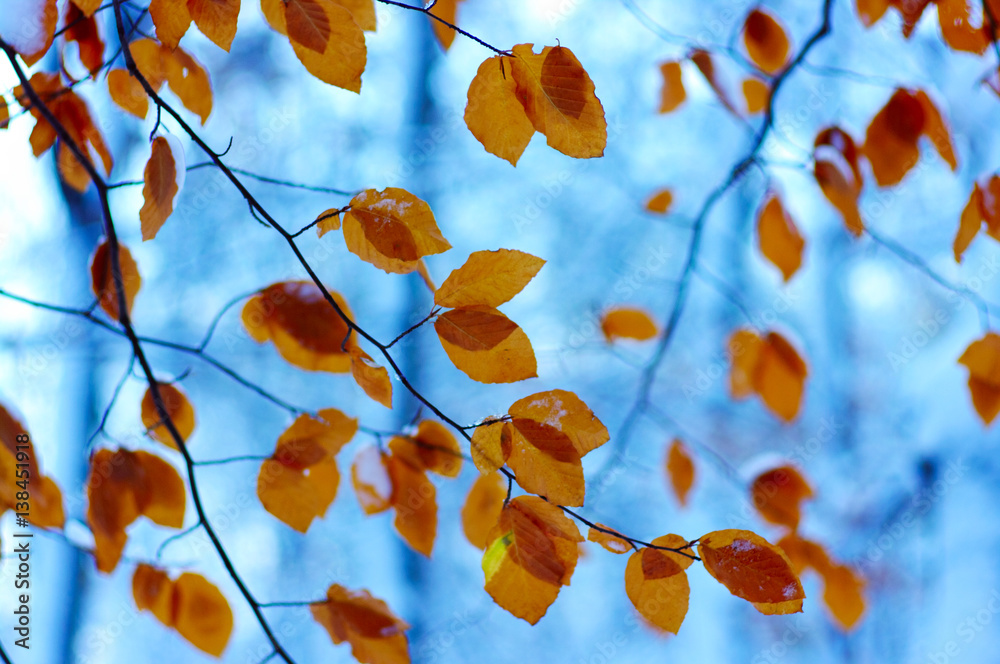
<point>446,10</point>
<point>83,30</point>
<point>778,237</point>
<point>127,92</point>
<point>103,283</point>
<point>188,80</point>
<point>152,590</point>
<point>672,94</point>
<point>482,508</point>
<point>753,569</point>
<point>415,501</point>
<point>765,41</point>
<point>178,408</point>
<point>488,278</point>
<point>982,358</point>
<point>486,345</point>
<point>842,594</point>
<point>327,221</point>
<point>216,19</point>
<point>870,11</point>
<point>371,481</point>
<point>778,494</point>
<point>969,223</point>
<point>163,178</point>
<point>838,175</point>
<point>392,229</point>
<point>613,543</point>
<point>490,446</point>
<point>371,378</point>
<point>891,143</point>
<point>703,61</point>
<point>437,449</point>
<point>201,613</point>
<point>375,634</point>
<point>657,585</point>
<point>660,202</point>
<point>306,330</point>
<point>757,94</point>
<point>559,100</point>
<point>531,552</point>
<point>771,367</point>
<point>680,469</point>
<point>627,323</point>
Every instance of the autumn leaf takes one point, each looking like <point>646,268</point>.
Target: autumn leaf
<point>371,377</point>
<point>842,594</point>
<point>778,237</point>
<point>778,494</point>
<point>371,481</point>
<point>17,455</point>
<point>660,202</point>
<point>545,462</point>
<point>765,41</point>
<point>486,345</point>
<point>982,359</point>
<point>82,29</point>
<point>164,177</point>
<point>342,61</point>
<point>446,10</point>
<point>437,449</point>
<point>969,223</point>
<point>680,470</point>
<point>703,61</point>
<point>392,229</point>
<point>307,24</point>
<point>178,408</point>
<point>376,635</point>
<point>838,175</point>
<point>122,486</point>
<point>568,414</point>
<point>531,553</point>
<point>190,604</point>
<point>127,92</point>
<point>159,64</point>
<point>612,543</point>
<point>488,278</point>
<point>482,508</point>
<point>559,100</point>
<point>328,220</point>
<point>4,113</point>
<point>627,323</point>
<point>672,93</point>
<point>752,569</point>
<point>305,329</point>
<point>757,94</point>
<point>414,499</point>
<point>494,113</point>
<point>172,20</point>
<point>771,367</point>
<point>216,19</point>
<point>491,445</point>
<point>957,29</point>
<point>103,282</point>
<point>657,585</point>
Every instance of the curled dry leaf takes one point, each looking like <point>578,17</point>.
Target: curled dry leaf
<point>178,408</point>
<point>328,220</point>
<point>305,329</point>
<point>613,543</point>
<point>376,635</point>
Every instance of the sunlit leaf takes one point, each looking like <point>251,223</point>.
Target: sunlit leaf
<point>771,367</point>
<point>178,408</point>
<point>172,20</point>
<point>488,278</point>
<point>680,470</point>
<point>482,508</point>
<point>216,19</point>
<point>566,412</point>
<point>545,462</point>
<point>490,446</point>
<point>328,220</point>
<point>778,237</point>
<point>753,569</point>
<point>307,24</point>
<point>376,635</point>
<point>103,282</point>
<point>486,345</point>
<point>392,229</point>
<point>842,594</point>
<point>627,323</point>
<point>343,60</point>
<point>494,113</point>
<point>127,92</point>
<point>657,584</point>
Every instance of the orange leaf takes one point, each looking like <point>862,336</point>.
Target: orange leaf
<point>121,487</point>
<point>415,501</point>
<point>494,113</point>
<point>88,7</point>
<point>188,80</point>
<point>956,28</point>
<point>127,92</point>
<point>567,413</point>
<point>46,498</point>
<point>392,229</point>
<point>171,18</point>
<point>178,408</point>
<point>969,223</point>
<point>936,131</point>
<point>657,585</point>
<point>163,178</point>
<point>804,554</point>
<point>558,97</point>
<point>4,113</point>
<point>680,469</point>
<point>765,41</point>
<point>307,24</point>
<point>771,367</point>
<point>982,358</point>
<point>837,173</point>
<point>103,282</point>
<point>672,94</point>
<point>191,605</point>
<point>448,11</point>
<point>703,61</point>
<point>83,30</point>
<point>304,327</point>
<point>216,19</point>
<point>612,543</point>
<point>35,31</point>
<point>371,481</point>
<point>327,221</point>
<point>870,11</point>
<point>363,12</point>
<point>546,462</point>
<point>375,634</point>
<point>531,552</point>
<point>486,345</point>
<point>490,446</point>
<point>753,569</point>
<point>842,595</point>
<point>778,494</point>
<point>437,449</point>
<point>371,377</point>
<point>343,60</point>
<point>757,94</point>
<point>660,202</point>
<point>482,508</point>
<point>779,238</point>
<point>891,140</point>
<point>488,278</point>
<point>152,590</point>
<point>627,323</point>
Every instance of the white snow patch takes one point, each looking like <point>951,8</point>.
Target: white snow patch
<point>742,545</point>
<point>21,25</point>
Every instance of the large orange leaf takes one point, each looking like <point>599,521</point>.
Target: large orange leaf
<point>838,175</point>
<point>190,604</point>
<point>982,359</point>
<point>567,413</point>
<point>657,585</point>
<point>345,55</point>
<point>558,97</point>
<point>392,229</point>
<point>545,462</point>
<point>162,181</point>
<point>304,327</point>
<point>371,480</point>
<point>486,345</point>
<point>778,237</point>
<point>482,508</point>
<point>415,501</point>
<point>672,93</point>
<point>531,552</point>
<point>627,323</point>
<point>771,367</point>
<point>494,113</point>
<point>680,470</point>
<point>216,19</point>
<point>753,569</point>
<point>103,283</point>
<point>171,18</point>
<point>778,494</point>
<point>436,449</point>
<point>188,79</point>
<point>17,456</point>
<point>376,635</point>
<point>159,64</point>
<point>122,486</point>
<point>891,143</point>
<point>488,278</point>
<point>178,408</point>
<point>765,41</point>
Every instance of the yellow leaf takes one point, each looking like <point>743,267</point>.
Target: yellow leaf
<point>415,501</point>
<point>178,408</point>
<point>375,634</point>
<point>494,113</point>
<point>307,24</point>
<point>753,569</point>
<point>627,323</point>
<point>842,595</point>
<point>482,508</point>
<point>657,585</point>
<point>488,278</point>
<point>448,11</point>
<point>188,80</point>
<point>371,377</point>
<point>328,220</point>
<point>171,18</point>
<point>567,413</point>
<point>437,449</point>
<point>558,97</point>
<point>771,367</point>
<point>672,94</point>
<point>891,143</point>
<point>343,60</point>
<point>490,446</point>
<point>778,237</point>
<point>680,470</point>
<point>486,345</point>
<point>216,19</point>
<point>161,186</point>
<point>296,497</point>
<point>765,41</point>
<point>392,229</point>
<point>545,462</point>
<point>103,283</point>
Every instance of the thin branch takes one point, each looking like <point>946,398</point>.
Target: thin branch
<point>426,318</point>
<point>232,459</point>
<point>427,10</point>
